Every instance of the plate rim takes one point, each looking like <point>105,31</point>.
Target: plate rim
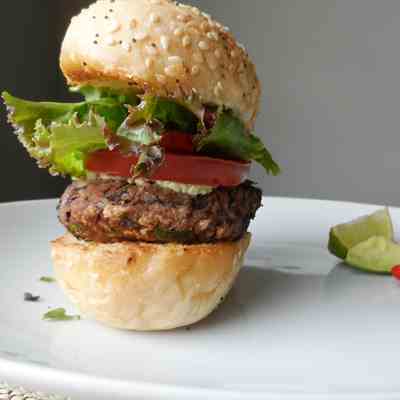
<point>136,390</point>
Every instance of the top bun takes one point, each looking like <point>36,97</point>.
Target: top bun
<point>162,47</point>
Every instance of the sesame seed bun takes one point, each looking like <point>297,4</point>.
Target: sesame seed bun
<point>146,287</point>
<point>162,47</point>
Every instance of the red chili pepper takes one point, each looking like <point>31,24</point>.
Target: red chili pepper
<point>396,272</point>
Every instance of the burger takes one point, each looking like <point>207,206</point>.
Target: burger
<point>159,150</point>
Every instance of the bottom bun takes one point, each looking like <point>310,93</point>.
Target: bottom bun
<point>145,287</point>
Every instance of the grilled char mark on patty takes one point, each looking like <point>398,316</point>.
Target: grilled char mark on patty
<point>113,211</point>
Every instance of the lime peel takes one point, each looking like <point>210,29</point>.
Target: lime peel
<point>344,237</point>
<point>376,254</point>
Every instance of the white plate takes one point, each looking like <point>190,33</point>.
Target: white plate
<point>296,326</point>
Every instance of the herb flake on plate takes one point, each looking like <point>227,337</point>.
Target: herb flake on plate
<point>59,314</point>
<point>30,297</point>
<point>47,279</point>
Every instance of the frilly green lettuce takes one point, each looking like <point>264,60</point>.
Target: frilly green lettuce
<point>229,138</point>
<point>168,113</point>
<point>60,136</point>
<point>64,148</point>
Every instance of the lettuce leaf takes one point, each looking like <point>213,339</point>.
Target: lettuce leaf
<point>92,93</point>
<point>64,147</point>
<point>24,114</point>
<point>229,138</point>
<point>61,135</point>
<point>70,145</point>
<point>108,103</point>
<point>167,112</point>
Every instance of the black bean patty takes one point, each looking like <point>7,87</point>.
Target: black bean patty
<point>114,211</point>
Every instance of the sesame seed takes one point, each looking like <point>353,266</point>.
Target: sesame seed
<point>198,58</point>
<point>195,70</point>
<point>154,18</point>
<point>126,46</point>
<point>196,11</point>
<point>161,78</point>
<point>95,42</point>
<point>110,41</point>
<point>204,26</point>
<point>178,32</point>
<point>113,26</point>
<point>173,70</point>
<point>243,80</point>
<point>149,62</point>
<point>192,31</point>
<point>212,63</point>
<point>203,45</point>
<point>141,36</point>
<point>233,54</point>
<point>186,41</point>
<point>191,24</point>
<point>151,50</point>
<point>133,24</point>
<point>212,35</point>
<point>175,60</point>
<point>217,54</point>
<point>183,17</point>
<point>164,41</point>
<point>218,89</point>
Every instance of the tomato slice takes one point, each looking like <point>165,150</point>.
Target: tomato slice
<point>177,142</point>
<point>189,169</point>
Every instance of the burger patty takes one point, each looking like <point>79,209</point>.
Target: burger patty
<point>113,211</point>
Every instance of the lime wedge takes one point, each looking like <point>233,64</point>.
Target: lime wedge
<point>345,236</point>
<point>377,254</point>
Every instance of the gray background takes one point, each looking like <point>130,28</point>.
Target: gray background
<point>331,76</point>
